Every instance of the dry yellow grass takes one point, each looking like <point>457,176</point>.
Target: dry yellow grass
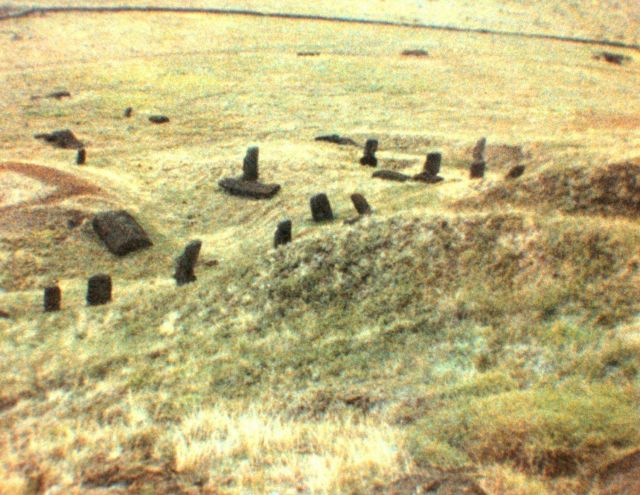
<point>206,387</point>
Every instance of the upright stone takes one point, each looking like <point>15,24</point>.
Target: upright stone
<point>120,232</point>
<point>52,298</point>
<point>361,204</point>
<point>283,234</point>
<point>81,157</point>
<point>186,263</point>
<point>128,112</point>
<point>432,165</point>
<point>369,158</point>
<point>250,164</point>
<point>477,170</point>
<point>99,290</point>
<point>321,208</point>
<point>479,149</point>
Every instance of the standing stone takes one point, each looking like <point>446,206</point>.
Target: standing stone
<point>127,112</point>
<point>432,165</point>
<point>120,232</point>
<point>369,158</point>
<point>515,172</point>
<point>99,290</point>
<point>477,170</point>
<point>479,149</point>
<point>361,204</point>
<point>186,263</point>
<point>250,164</point>
<point>321,208</point>
<point>283,233</point>
<point>52,298</point>
<point>81,157</point>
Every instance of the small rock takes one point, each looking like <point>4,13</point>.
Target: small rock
<point>128,112</point>
<point>515,172</point>
<point>158,119</point>
<point>58,95</point>
<point>477,170</point>
<point>99,290</point>
<point>415,53</point>
<point>283,234</point>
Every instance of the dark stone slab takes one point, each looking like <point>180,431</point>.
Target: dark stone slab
<point>250,164</point>
<point>58,95</point>
<point>515,172</point>
<point>186,263</point>
<point>427,178</point>
<point>4,314</point>
<point>128,112</point>
<point>321,208</point>
<point>415,53</point>
<point>477,170</point>
<point>99,290</point>
<point>120,232</point>
<point>158,119</point>
<point>61,139</point>
<point>283,233</point>
<point>432,164</point>
<point>308,54</point>
<point>52,298</point>
<point>361,204</point>
<point>390,175</point>
<point>81,157</point>
<point>337,139</point>
<point>255,190</point>
<point>369,157</point>
<point>612,58</point>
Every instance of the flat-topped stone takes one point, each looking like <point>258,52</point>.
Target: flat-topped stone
<point>249,189</point>
<point>120,232</point>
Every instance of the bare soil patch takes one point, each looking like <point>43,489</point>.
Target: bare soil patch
<point>621,477</point>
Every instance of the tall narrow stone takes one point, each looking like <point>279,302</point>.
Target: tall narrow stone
<point>361,204</point>
<point>99,289</point>
<point>81,157</point>
<point>432,165</point>
<point>52,298</point>
<point>186,263</point>
<point>321,208</point>
<point>250,164</point>
<point>369,157</point>
<point>479,149</point>
<point>283,233</point>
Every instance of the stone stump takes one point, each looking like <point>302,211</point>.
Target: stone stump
<point>321,208</point>
<point>369,158</point>
<point>479,149</point>
<point>120,232</point>
<point>283,234</point>
<point>128,112</point>
<point>81,157</point>
<point>52,298</point>
<point>361,204</point>
<point>186,263</point>
<point>99,290</point>
<point>432,165</point>
<point>250,164</point>
<point>477,170</point>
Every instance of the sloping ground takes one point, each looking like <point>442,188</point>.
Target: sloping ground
<point>612,189</point>
<point>621,477</point>
<point>604,19</point>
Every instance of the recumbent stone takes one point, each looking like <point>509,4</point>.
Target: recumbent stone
<point>120,232</point>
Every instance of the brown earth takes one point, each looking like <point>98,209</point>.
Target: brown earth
<point>621,477</point>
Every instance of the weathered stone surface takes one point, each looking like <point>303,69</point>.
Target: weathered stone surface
<point>515,172</point>
<point>120,232</point>
<point>361,204</point>
<point>250,164</point>
<point>479,150</point>
<point>128,112</point>
<point>390,175</point>
<point>428,178</point>
<point>186,263</point>
<point>337,139</point>
<point>321,208</point>
<point>158,119</point>
<point>432,164</point>
<point>52,298</point>
<point>61,139</point>
<point>99,290</point>
<point>247,189</point>
<point>283,233</point>
<point>477,170</point>
<point>369,157</point>
<point>81,157</point>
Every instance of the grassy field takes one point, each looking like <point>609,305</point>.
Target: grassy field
<point>471,330</point>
